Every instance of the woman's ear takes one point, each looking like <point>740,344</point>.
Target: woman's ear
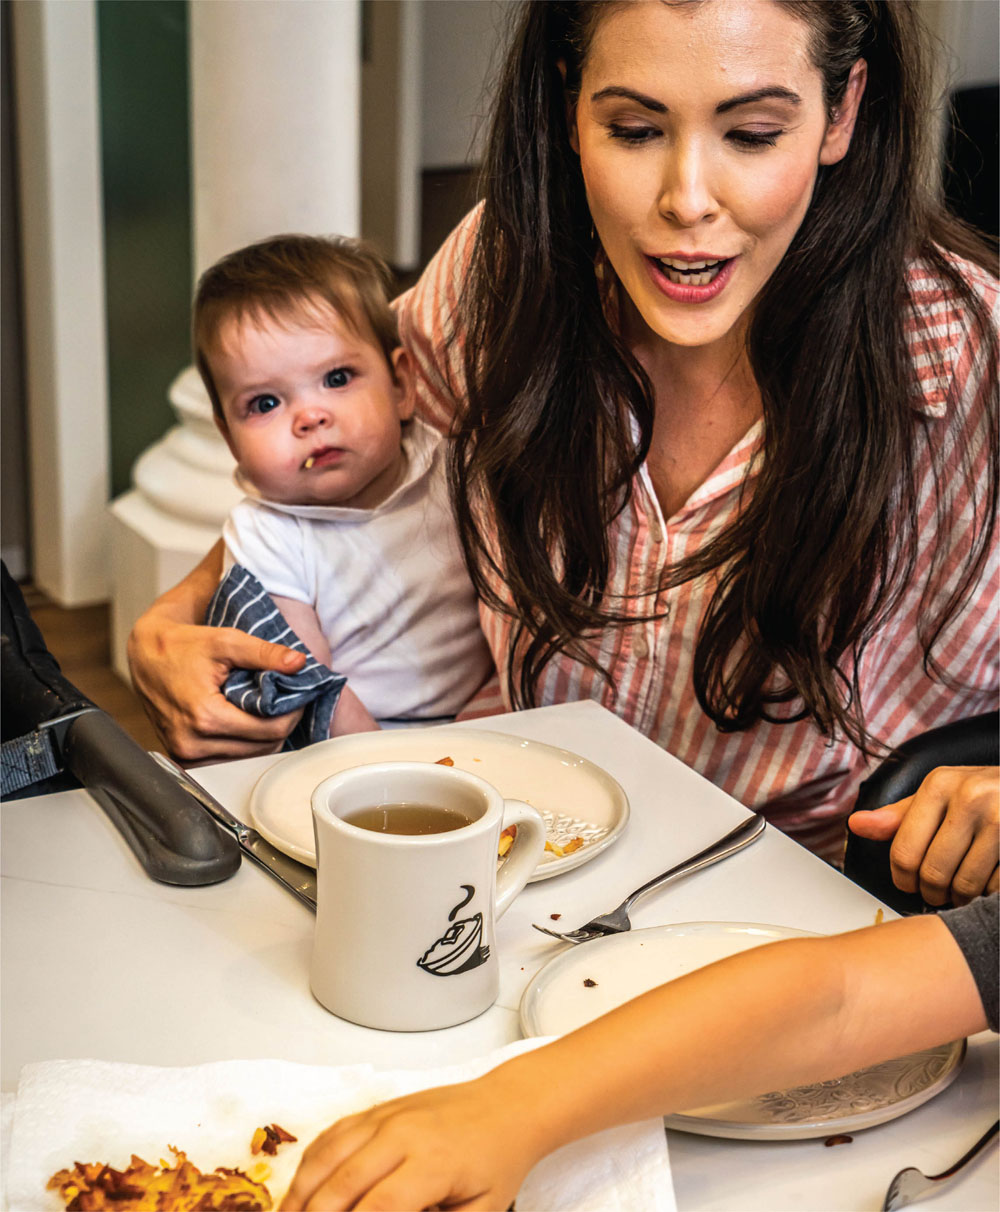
<point>837,139</point>
<point>404,382</point>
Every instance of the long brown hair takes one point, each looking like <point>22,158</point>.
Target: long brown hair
<point>544,456</point>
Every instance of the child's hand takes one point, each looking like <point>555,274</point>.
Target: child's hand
<point>946,836</point>
<point>455,1146</point>
<point>179,669</point>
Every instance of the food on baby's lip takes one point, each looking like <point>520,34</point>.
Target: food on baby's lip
<point>445,761</point>
<point>561,851</point>
<point>506,840</point>
<point>310,462</point>
<point>141,1187</point>
<point>268,1138</point>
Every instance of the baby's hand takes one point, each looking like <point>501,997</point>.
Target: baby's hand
<point>946,837</point>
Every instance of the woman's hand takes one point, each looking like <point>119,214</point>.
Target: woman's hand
<point>179,668</point>
<point>466,1146</point>
<point>946,837</point>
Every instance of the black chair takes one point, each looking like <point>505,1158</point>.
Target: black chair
<point>971,742</point>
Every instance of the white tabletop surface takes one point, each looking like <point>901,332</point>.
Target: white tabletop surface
<point>101,962</point>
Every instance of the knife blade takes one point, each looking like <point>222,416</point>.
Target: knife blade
<point>296,877</point>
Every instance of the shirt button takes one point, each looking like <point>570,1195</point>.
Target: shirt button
<point>640,647</point>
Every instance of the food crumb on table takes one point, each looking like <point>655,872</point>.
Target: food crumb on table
<point>588,983</point>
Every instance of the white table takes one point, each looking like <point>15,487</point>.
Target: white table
<point>99,961</point>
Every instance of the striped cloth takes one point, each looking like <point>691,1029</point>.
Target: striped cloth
<point>241,601</point>
<point>801,781</point>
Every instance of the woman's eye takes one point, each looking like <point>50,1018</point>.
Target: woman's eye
<point>262,404</point>
<point>752,139</point>
<point>337,378</point>
<point>632,134</point>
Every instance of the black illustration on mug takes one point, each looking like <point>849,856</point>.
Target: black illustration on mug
<point>461,946</point>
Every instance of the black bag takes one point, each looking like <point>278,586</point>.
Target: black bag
<point>54,738</point>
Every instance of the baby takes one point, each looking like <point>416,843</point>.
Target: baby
<point>346,535</point>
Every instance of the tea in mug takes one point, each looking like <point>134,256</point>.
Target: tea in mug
<point>408,818</point>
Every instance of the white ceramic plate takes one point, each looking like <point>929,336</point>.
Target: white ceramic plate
<point>575,797</point>
<point>624,965</point>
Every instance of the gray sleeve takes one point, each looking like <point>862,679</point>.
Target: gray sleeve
<point>976,927</point>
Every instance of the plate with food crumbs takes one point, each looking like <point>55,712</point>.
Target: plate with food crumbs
<point>588,980</point>
<point>548,778</point>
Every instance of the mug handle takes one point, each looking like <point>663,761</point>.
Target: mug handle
<point>525,854</point>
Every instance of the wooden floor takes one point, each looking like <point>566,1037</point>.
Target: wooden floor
<point>80,641</point>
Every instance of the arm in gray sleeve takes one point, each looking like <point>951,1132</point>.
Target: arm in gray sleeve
<point>976,927</point>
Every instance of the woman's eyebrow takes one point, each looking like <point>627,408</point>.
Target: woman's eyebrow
<point>775,91</point>
<point>759,94</point>
<point>617,90</point>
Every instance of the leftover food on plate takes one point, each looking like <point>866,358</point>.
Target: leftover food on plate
<point>141,1187</point>
<point>571,847</point>
<point>545,776</point>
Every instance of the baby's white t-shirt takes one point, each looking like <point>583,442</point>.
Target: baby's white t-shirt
<point>388,584</point>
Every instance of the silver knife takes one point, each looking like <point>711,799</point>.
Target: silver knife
<point>299,879</point>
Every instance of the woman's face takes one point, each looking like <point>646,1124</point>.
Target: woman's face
<point>700,129</point>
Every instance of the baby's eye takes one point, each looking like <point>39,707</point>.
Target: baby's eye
<point>262,404</point>
<point>339,377</point>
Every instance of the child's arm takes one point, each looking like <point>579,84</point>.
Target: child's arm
<point>351,714</point>
<point>792,1012</point>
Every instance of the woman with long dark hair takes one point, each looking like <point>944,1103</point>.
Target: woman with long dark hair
<point>721,378</point>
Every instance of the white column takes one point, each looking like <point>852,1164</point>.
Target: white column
<point>62,245</point>
<point>275,115</point>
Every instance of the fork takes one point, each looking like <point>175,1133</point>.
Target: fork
<point>617,920</point>
<point>911,1183</point>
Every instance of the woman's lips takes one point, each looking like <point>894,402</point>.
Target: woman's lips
<point>324,458</point>
<point>691,280</point>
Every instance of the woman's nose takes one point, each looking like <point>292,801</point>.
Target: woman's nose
<point>687,196</point>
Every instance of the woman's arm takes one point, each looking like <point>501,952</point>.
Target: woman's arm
<point>946,836</point>
<point>178,667</point>
<point>792,1012</point>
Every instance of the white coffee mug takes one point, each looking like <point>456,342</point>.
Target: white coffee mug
<point>405,923</point>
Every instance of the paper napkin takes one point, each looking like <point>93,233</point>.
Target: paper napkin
<point>67,1111</point>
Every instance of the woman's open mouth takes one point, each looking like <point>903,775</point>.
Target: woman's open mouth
<point>691,280</point>
<point>691,273</point>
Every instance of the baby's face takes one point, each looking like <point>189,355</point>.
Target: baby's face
<point>312,410</point>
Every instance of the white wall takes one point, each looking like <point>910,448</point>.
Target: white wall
<point>62,251</point>
<point>970,31</point>
<point>275,88</point>
<point>460,41</point>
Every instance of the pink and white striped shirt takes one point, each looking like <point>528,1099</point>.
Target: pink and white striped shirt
<point>801,781</point>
